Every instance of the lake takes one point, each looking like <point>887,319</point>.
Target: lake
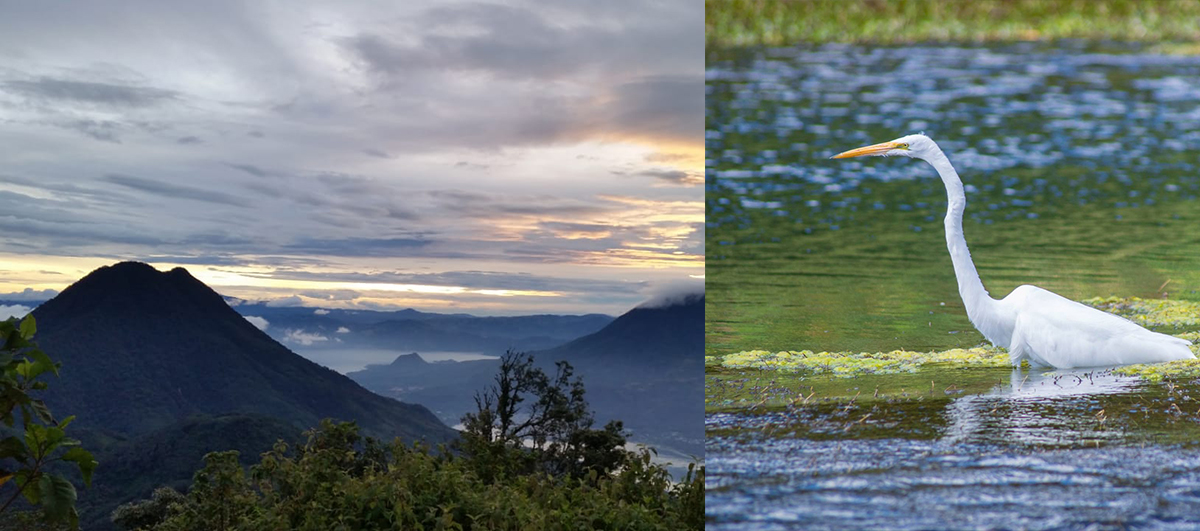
<point>356,359</point>
<point>1080,165</point>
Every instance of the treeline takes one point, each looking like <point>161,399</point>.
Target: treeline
<point>529,458</point>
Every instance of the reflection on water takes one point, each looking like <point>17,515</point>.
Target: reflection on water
<point>1033,410</point>
<point>1035,384</point>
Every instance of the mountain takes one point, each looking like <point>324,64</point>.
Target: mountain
<point>170,456</point>
<point>647,337</point>
<point>142,349</point>
<point>409,329</point>
<point>446,387</point>
<point>645,368</point>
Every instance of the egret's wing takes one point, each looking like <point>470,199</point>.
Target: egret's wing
<point>1065,334</point>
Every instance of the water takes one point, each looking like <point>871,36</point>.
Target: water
<point>1036,450</point>
<point>1080,163</point>
<point>871,485</point>
<point>356,359</point>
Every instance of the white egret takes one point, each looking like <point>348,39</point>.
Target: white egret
<point>1032,323</point>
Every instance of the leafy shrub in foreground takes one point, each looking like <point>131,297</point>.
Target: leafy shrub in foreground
<point>27,457</point>
<point>529,459</point>
<point>337,481</point>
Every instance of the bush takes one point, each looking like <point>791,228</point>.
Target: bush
<point>27,457</point>
<point>537,466</point>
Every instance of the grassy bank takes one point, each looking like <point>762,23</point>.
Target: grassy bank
<point>787,22</point>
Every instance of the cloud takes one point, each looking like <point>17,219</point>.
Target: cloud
<point>29,295</point>
<point>668,107</point>
<point>677,177</point>
<point>502,40</point>
<point>102,130</point>
<point>343,330</point>
<point>250,169</point>
<point>673,292</point>
<point>89,92</point>
<point>300,337</point>
<point>486,280</point>
<point>175,191</point>
<point>258,322</point>
<point>320,311</point>
<point>455,144</point>
<point>377,247</point>
<point>286,302</point>
<point>15,310</point>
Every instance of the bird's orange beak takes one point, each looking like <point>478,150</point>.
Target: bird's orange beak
<point>868,150</point>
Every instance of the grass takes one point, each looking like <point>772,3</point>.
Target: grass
<point>789,22</point>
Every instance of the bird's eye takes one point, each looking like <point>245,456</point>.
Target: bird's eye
<point>903,146</point>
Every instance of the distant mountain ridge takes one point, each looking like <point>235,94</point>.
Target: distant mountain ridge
<point>648,336</point>
<point>646,368</point>
<point>413,330</point>
<point>142,348</point>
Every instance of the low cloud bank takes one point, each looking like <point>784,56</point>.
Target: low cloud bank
<point>674,292</point>
<point>29,295</point>
<point>300,337</point>
<point>15,310</point>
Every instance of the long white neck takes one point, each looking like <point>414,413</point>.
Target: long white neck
<point>981,308</point>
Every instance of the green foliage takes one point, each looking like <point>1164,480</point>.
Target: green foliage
<point>551,433</point>
<point>43,441</point>
<point>148,513</point>
<point>530,460</point>
<point>786,22</point>
<point>336,480</point>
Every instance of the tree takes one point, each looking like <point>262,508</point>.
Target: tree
<point>41,441</point>
<point>146,514</point>
<point>338,481</point>
<point>552,432</point>
<point>531,461</point>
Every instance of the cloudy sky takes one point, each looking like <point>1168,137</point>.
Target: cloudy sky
<point>491,157</point>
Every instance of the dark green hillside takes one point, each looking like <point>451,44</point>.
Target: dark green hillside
<point>142,349</point>
<point>170,456</point>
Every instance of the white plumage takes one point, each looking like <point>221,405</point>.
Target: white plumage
<point>1032,323</point>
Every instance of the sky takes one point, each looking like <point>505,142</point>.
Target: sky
<point>493,157</point>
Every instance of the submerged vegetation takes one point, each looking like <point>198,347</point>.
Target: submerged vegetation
<point>786,22</point>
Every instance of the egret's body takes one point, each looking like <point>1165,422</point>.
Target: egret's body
<point>1032,323</point>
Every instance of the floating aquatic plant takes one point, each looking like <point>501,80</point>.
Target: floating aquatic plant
<point>847,364</point>
<point>1151,312</point>
<point>1157,372</point>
